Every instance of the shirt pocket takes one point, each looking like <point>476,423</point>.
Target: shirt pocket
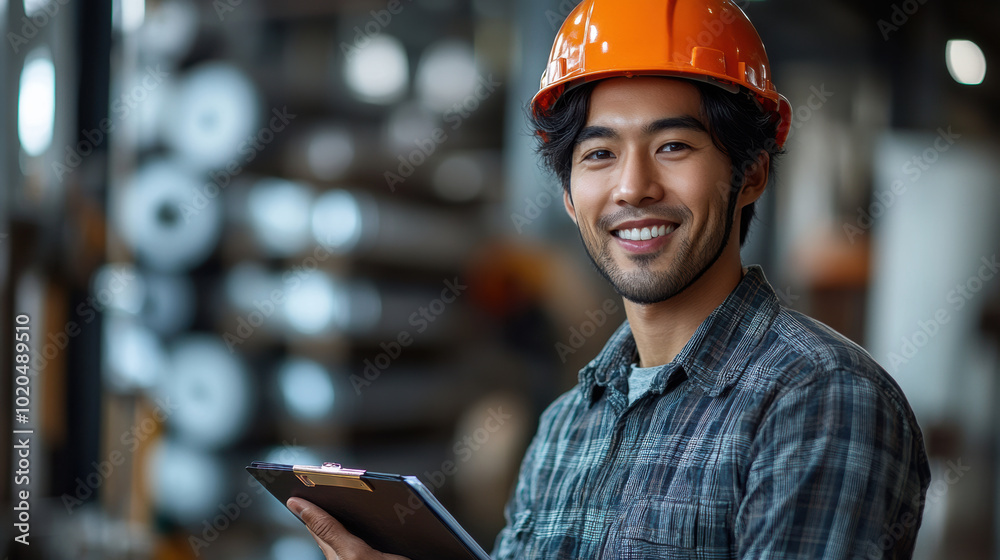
<point>515,538</point>
<point>671,529</point>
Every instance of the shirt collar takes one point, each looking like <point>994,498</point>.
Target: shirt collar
<point>714,357</point>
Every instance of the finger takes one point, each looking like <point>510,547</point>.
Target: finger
<point>296,505</point>
<point>328,552</point>
<point>331,536</point>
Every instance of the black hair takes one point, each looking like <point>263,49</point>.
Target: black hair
<point>739,128</point>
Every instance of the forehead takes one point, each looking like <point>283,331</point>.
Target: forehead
<point>620,102</point>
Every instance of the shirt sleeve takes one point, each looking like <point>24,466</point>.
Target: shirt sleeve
<point>837,470</point>
<point>506,546</point>
<point>510,542</point>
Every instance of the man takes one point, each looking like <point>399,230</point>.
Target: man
<point>715,423</point>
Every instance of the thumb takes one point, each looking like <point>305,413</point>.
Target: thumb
<point>327,531</point>
<point>333,539</point>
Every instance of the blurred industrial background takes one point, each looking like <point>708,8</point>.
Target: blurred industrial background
<point>305,231</point>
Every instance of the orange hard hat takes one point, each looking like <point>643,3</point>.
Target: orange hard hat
<point>706,40</point>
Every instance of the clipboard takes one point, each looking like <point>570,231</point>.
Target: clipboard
<point>394,514</point>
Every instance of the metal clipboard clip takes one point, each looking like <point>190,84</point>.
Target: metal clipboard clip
<point>331,474</point>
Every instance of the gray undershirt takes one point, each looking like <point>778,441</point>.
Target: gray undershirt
<point>639,381</point>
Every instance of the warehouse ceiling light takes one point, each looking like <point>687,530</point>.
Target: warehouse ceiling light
<point>129,14</point>
<point>447,75</point>
<point>154,112</point>
<point>379,72</point>
<point>211,389</point>
<point>169,29</point>
<point>316,305</point>
<point>167,218</point>
<point>119,287</point>
<point>306,389</point>
<point>337,220</point>
<point>134,357</point>
<point>32,7</point>
<point>213,119</point>
<point>186,483</point>
<point>36,103</point>
<point>279,215</point>
<point>966,62</point>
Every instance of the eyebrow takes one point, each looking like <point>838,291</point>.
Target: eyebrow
<point>685,122</point>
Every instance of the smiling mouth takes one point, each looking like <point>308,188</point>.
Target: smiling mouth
<point>644,233</point>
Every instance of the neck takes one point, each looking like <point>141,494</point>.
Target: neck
<point>662,329</point>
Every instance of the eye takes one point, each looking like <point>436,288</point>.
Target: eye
<point>674,147</point>
<point>599,154</point>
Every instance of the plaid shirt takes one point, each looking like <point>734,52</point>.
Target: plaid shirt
<point>768,436</point>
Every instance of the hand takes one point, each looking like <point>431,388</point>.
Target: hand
<point>335,542</point>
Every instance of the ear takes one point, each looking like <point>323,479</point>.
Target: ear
<point>568,203</point>
<point>755,180</point>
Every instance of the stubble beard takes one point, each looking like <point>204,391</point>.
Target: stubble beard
<point>646,286</point>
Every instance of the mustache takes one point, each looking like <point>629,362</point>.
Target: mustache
<point>676,214</point>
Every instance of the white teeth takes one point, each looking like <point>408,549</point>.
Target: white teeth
<point>635,234</point>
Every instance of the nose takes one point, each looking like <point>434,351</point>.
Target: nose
<point>638,184</point>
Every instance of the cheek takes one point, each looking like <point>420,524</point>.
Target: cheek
<point>705,196</point>
<point>587,195</point>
